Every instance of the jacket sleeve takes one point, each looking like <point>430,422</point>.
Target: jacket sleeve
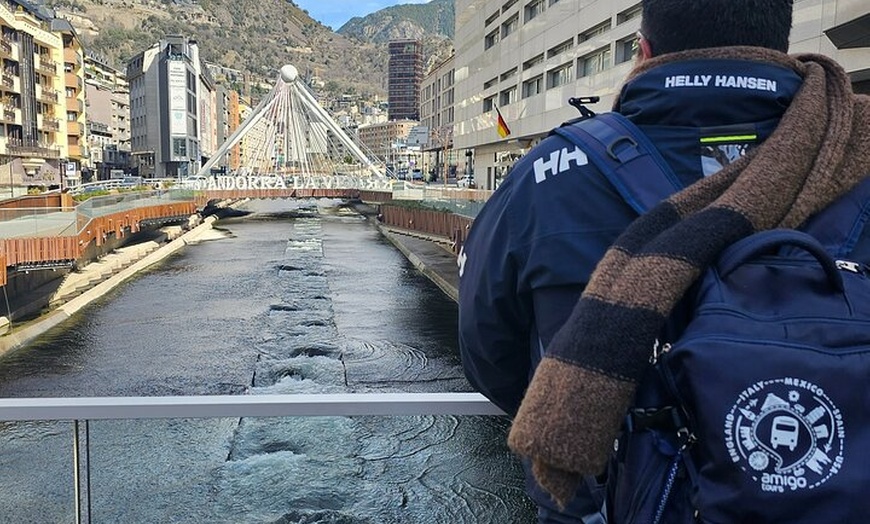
<point>494,319</point>
<point>528,255</point>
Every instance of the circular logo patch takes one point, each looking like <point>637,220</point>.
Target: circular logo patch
<point>786,434</point>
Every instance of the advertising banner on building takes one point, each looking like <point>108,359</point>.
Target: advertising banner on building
<point>177,97</point>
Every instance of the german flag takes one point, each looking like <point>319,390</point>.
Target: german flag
<point>503,129</point>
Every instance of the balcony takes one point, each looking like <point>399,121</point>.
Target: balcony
<point>48,95</point>
<point>73,128</point>
<point>7,114</point>
<point>50,124</point>
<point>5,47</point>
<point>47,66</point>
<point>70,55</point>
<point>7,81</point>
<point>99,128</point>
<point>16,147</point>
<point>72,80</point>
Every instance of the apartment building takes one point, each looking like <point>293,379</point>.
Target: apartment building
<point>107,95</point>
<point>227,120</point>
<point>72,88</point>
<point>206,97</point>
<point>528,57</point>
<point>437,114</point>
<point>34,143</point>
<point>168,96</point>
<point>405,72</point>
<point>253,145</point>
<point>386,140</point>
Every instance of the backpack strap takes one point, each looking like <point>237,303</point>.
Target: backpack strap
<point>839,226</point>
<point>626,157</point>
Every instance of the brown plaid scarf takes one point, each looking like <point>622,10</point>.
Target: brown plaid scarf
<point>579,395</point>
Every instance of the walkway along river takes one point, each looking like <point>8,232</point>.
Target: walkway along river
<point>294,298</point>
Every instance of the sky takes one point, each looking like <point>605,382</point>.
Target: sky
<point>334,13</point>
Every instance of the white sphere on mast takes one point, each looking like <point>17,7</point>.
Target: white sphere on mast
<point>289,74</point>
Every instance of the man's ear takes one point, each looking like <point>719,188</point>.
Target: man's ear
<point>645,48</point>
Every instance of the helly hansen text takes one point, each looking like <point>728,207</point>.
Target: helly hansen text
<point>737,82</point>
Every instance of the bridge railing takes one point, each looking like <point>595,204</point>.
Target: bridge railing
<point>461,201</point>
<point>81,411</point>
<point>37,222</point>
<point>111,204</point>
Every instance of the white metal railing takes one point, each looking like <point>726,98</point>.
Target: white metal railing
<point>301,405</point>
<point>81,410</point>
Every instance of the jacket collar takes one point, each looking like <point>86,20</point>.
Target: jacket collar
<point>708,92</point>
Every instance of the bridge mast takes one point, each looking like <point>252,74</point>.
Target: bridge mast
<point>298,131</point>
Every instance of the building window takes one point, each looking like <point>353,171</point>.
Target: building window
<point>491,82</point>
<point>510,25</point>
<point>533,86</point>
<point>554,2</point>
<point>492,18</point>
<point>594,62</point>
<point>507,5</point>
<point>561,48</point>
<point>179,147</point>
<point>560,76</point>
<point>626,49</point>
<point>594,31</point>
<point>447,79</point>
<point>533,9</point>
<point>491,39</point>
<point>508,96</point>
<point>508,74</point>
<point>629,14</point>
<point>532,62</point>
<point>488,103</point>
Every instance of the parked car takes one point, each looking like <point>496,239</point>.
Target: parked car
<point>466,182</point>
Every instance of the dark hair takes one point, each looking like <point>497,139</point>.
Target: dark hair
<point>679,25</point>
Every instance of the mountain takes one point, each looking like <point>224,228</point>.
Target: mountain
<point>419,21</point>
<point>255,37</point>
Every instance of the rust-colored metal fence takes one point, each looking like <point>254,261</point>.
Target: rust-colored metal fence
<point>442,224</point>
<point>15,252</point>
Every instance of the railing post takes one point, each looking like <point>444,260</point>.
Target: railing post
<point>82,471</point>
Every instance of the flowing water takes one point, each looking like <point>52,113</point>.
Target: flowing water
<point>299,297</point>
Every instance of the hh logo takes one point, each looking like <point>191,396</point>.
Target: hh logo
<point>559,162</point>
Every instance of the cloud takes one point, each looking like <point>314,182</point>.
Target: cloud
<point>334,13</point>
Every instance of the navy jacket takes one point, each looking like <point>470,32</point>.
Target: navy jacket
<point>534,245</point>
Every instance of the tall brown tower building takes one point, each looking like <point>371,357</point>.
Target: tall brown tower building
<point>405,77</point>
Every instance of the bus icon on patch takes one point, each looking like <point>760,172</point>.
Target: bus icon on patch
<point>784,431</point>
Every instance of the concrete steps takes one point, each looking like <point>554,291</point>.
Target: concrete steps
<point>77,282</point>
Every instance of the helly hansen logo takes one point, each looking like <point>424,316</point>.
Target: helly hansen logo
<point>558,162</point>
<point>737,82</point>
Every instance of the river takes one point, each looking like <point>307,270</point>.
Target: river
<point>298,297</point>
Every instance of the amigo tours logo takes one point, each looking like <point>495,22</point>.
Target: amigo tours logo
<point>786,433</point>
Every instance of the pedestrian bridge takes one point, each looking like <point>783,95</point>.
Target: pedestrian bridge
<point>292,140</point>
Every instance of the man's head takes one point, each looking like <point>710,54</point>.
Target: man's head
<point>669,26</point>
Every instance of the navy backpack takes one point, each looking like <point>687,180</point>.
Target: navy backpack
<point>756,406</point>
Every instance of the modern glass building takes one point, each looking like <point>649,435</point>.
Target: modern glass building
<point>405,75</point>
